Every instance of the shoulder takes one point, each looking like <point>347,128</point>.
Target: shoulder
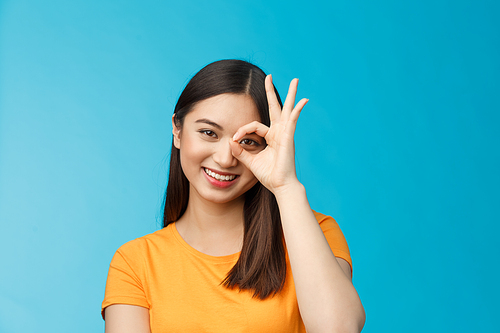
<point>326,222</point>
<point>321,217</point>
<point>329,226</point>
<point>128,279</point>
<point>140,247</point>
<point>334,236</point>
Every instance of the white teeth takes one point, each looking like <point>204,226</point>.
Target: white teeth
<point>219,177</point>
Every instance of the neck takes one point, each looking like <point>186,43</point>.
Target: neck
<point>212,228</point>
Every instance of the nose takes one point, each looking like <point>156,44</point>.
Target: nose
<point>223,155</point>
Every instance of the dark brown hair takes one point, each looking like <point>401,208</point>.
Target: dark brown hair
<point>261,266</point>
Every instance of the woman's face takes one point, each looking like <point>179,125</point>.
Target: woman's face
<point>213,172</point>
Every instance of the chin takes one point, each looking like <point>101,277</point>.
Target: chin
<point>223,199</point>
<point>222,196</point>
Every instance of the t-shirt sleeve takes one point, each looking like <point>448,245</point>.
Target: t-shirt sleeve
<point>334,236</point>
<point>125,282</point>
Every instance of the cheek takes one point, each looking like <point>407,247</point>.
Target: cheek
<point>250,178</point>
<point>249,184</point>
<point>192,153</point>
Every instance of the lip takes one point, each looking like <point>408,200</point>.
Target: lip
<point>218,183</point>
<point>221,173</point>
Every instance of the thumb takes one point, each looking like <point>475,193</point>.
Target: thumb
<point>241,154</point>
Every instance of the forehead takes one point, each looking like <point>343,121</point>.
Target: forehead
<point>226,109</point>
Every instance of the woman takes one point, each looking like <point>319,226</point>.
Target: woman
<point>241,250</point>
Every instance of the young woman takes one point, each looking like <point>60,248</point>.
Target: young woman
<point>241,250</point>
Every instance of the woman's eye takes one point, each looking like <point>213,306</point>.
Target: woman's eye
<point>249,142</point>
<point>209,133</point>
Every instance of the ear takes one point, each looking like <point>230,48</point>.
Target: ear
<point>176,131</point>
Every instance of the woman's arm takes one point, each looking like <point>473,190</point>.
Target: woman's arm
<point>123,318</point>
<point>328,302</point>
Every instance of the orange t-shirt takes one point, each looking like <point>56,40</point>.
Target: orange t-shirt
<point>182,288</point>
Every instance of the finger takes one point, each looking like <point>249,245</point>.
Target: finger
<point>294,117</point>
<point>254,127</point>
<point>241,154</point>
<point>297,109</point>
<point>272,100</point>
<point>290,99</point>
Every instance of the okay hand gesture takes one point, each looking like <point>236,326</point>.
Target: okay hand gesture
<point>274,166</point>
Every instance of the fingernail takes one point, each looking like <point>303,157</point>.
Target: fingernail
<point>235,136</point>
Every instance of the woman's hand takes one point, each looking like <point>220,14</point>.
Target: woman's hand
<point>274,166</point>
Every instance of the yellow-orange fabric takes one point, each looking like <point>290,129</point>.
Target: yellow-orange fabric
<point>182,288</point>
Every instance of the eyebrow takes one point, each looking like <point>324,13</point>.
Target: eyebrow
<point>209,122</point>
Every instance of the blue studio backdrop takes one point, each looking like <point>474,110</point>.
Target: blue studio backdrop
<point>399,143</point>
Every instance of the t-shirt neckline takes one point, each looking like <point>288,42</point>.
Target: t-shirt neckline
<point>219,259</point>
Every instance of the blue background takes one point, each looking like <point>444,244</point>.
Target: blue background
<point>399,143</point>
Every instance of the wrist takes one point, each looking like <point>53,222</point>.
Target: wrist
<point>289,191</point>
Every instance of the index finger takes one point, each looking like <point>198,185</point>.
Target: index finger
<point>272,100</point>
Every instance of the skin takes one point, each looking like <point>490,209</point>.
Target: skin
<point>213,222</point>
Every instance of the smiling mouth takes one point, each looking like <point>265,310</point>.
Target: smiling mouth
<point>221,178</point>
